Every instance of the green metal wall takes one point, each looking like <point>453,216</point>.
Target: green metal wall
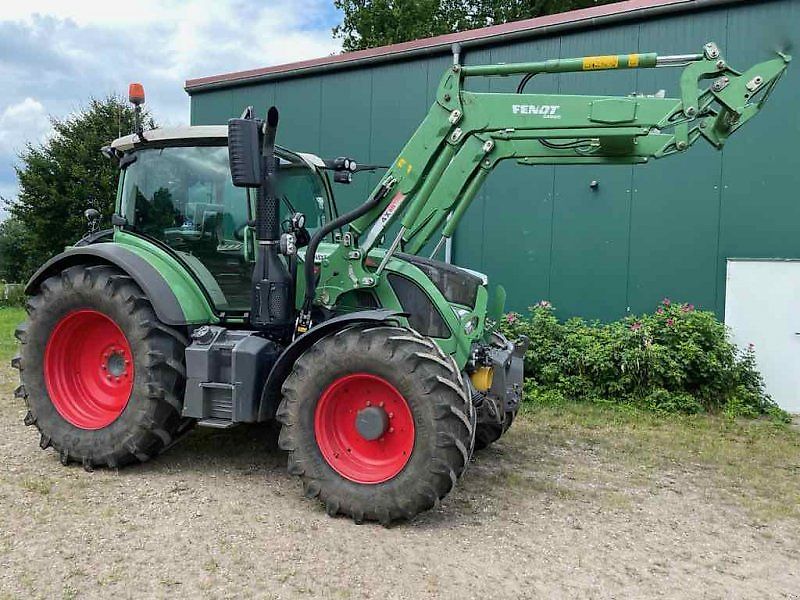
<point>650,231</point>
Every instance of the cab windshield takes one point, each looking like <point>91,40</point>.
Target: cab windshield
<point>184,197</point>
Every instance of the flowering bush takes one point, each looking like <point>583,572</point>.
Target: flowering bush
<point>676,359</point>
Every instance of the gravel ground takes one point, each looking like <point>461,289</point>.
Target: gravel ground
<point>217,516</point>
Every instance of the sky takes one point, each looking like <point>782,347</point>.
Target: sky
<point>56,54</point>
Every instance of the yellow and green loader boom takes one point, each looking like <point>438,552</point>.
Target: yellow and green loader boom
<point>466,134</point>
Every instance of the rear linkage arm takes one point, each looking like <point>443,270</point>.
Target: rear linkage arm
<point>466,134</point>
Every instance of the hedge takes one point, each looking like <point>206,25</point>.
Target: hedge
<point>676,359</point>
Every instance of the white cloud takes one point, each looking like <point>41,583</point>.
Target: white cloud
<point>55,55</point>
<point>234,40</point>
<point>102,12</point>
<point>20,123</point>
<point>99,47</point>
<point>26,121</point>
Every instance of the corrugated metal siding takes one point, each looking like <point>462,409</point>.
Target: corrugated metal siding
<point>663,229</point>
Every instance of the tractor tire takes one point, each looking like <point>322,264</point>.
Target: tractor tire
<point>377,423</point>
<point>102,377</point>
<point>487,434</point>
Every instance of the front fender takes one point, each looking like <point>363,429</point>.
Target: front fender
<point>270,397</point>
<point>175,301</point>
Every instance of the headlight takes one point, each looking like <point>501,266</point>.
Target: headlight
<point>470,325</point>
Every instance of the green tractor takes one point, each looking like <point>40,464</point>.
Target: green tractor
<point>231,290</point>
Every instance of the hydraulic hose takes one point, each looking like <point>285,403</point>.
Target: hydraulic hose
<point>322,232</point>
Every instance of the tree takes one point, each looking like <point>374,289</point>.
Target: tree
<point>15,259</point>
<point>67,174</point>
<point>371,23</point>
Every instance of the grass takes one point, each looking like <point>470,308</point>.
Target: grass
<point>10,317</point>
<point>38,485</point>
<point>755,462</point>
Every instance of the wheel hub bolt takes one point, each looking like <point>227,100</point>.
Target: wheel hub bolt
<point>116,364</point>
<point>371,423</point>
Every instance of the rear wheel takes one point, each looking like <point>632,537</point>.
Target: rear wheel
<point>377,423</point>
<point>88,369</point>
<point>102,377</point>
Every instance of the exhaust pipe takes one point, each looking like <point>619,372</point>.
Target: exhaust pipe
<point>272,284</point>
<point>251,151</point>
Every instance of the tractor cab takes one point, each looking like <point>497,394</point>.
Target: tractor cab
<point>175,188</point>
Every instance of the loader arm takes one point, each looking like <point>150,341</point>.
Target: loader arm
<point>466,134</point>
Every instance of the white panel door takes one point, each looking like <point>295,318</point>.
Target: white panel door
<point>762,307</point>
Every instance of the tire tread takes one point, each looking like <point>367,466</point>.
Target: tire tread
<point>438,380</point>
<point>156,424</point>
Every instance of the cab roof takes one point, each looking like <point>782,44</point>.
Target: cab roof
<point>167,134</point>
<point>194,132</point>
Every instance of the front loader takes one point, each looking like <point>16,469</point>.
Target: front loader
<point>230,290</point>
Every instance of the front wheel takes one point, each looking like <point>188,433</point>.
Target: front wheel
<point>377,423</point>
<point>487,434</point>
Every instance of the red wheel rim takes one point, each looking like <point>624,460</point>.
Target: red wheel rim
<point>88,369</point>
<point>345,448</point>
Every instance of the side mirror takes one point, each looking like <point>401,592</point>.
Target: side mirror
<point>244,152</point>
<point>92,215</point>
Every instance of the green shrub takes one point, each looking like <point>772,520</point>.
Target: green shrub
<point>676,359</point>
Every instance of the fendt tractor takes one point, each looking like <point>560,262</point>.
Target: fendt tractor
<point>230,290</point>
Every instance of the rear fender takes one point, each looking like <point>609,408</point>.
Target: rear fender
<point>175,301</point>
